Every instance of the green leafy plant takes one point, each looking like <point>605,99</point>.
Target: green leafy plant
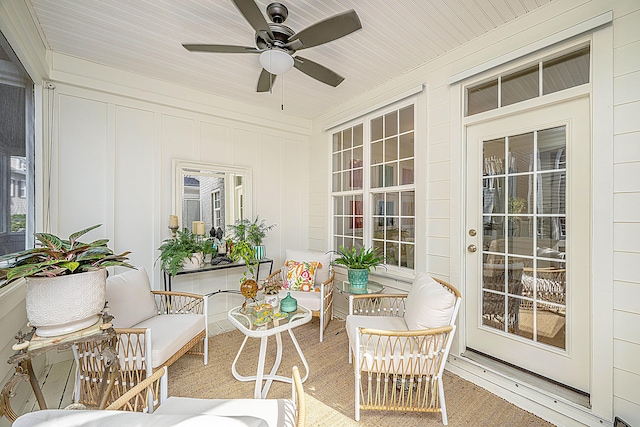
<point>243,250</point>
<point>57,257</point>
<point>257,231</point>
<point>253,232</point>
<point>174,251</point>
<point>362,259</point>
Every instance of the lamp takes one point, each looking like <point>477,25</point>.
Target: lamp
<point>276,61</point>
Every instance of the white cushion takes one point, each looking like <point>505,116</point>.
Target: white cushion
<point>171,332</point>
<point>429,304</point>
<point>67,418</point>
<point>275,412</point>
<point>130,298</point>
<point>384,323</point>
<point>309,300</point>
<point>322,274</point>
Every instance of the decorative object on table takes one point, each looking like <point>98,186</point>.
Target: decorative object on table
<point>359,263</point>
<point>65,280</point>
<point>288,304</point>
<point>185,251</point>
<point>173,225</point>
<point>249,290</point>
<point>242,251</point>
<point>197,228</point>
<point>270,291</point>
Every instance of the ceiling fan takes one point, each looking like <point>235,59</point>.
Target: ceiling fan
<point>276,43</point>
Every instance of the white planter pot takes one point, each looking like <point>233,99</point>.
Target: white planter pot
<point>65,304</point>
<point>193,263</point>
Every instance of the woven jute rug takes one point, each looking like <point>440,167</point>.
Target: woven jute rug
<point>329,389</point>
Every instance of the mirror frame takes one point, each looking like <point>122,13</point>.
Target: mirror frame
<point>178,170</point>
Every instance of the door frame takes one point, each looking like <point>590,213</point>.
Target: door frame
<point>602,131</point>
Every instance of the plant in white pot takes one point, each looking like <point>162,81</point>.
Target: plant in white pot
<point>185,251</point>
<point>65,280</point>
<point>359,263</point>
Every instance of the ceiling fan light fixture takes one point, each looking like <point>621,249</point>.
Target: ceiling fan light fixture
<point>276,61</point>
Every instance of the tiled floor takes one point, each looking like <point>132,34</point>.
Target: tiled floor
<point>57,380</point>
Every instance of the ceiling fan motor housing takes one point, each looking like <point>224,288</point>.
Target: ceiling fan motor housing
<point>277,12</point>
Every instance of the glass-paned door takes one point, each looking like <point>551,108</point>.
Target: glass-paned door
<point>528,241</point>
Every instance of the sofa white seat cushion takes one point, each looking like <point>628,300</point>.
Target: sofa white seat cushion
<point>171,332</point>
<point>274,412</point>
<point>130,298</point>
<point>73,418</point>
<point>429,304</point>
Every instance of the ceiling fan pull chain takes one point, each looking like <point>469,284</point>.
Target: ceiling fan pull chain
<point>282,99</point>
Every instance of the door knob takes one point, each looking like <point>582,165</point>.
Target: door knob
<point>472,248</point>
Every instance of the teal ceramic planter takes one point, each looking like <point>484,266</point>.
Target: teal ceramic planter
<point>358,277</point>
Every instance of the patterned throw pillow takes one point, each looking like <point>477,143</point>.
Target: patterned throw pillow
<point>300,275</point>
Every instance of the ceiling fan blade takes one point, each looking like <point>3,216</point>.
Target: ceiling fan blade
<point>249,9</point>
<point>219,48</point>
<point>317,71</point>
<point>327,30</point>
<point>264,85</point>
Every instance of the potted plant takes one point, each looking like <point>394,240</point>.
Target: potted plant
<point>252,232</point>
<point>184,251</point>
<point>65,280</point>
<point>256,232</point>
<point>359,263</point>
<point>243,251</point>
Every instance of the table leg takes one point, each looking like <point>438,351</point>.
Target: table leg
<point>304,360</point>
<point>274,370</point>
<point>258,392</point>
<point>7,391</point>
<point>235,373</point>
<point>34,384</point>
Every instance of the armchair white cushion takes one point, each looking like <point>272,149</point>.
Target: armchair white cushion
<point>429,304</point>
<point>153,328</point>
<point>400,344</point>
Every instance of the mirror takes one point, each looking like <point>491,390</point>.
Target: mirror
<point>217,195</point>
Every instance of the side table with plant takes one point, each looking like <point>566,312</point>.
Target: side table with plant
<point>65,280</point>
<point>359,263</point>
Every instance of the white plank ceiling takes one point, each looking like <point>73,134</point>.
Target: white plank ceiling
<point>145,37</point>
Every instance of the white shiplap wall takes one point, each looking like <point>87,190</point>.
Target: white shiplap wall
<point>444,202</point>
<point>112,164</point>
<point>626,198</point>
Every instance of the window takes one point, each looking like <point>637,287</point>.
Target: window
<point>16,153</point>
<point>217,209</point>
<point>559,73</point>
<point>373,189</point>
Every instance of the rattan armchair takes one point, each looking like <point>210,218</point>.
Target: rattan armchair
<point>400,344</point>
<point>320,299</point>
<point>153,328</point>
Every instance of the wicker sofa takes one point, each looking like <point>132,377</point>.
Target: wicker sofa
<point>182,411</point>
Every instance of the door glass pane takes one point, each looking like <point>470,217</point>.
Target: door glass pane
<point>346,138</point>
<point>391,124</point>
<point>391,149</point>
<point>524,266</point>
<point>357,136</point>
<point>406,119</point>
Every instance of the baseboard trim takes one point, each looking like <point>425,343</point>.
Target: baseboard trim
<point>549,407</point>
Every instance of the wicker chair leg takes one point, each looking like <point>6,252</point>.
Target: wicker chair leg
<point>443,406</point>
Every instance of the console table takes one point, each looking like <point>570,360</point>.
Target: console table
<point>30,345</point>
<point>217,267</point>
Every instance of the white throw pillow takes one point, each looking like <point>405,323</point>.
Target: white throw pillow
<point>322,273</point>
<point>429,304</point>
<point>130,298</point>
